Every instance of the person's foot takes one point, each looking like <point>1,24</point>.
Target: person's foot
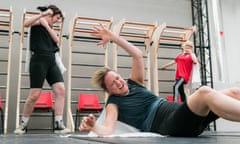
<point>60,128</point>
<point>22,129</point>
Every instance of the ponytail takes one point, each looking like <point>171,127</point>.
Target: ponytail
<point>42,8</point>
<point>54,8</point>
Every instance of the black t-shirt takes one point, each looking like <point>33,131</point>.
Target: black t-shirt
<point>41,41</point>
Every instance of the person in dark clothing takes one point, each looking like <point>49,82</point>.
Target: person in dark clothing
<point>44,44</point>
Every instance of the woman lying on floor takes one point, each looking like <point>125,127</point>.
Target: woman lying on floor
<point>130,102</point>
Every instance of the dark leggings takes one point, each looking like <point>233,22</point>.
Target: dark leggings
<point>44,66</point>
<point>176,119</point>
<point>179,87</point>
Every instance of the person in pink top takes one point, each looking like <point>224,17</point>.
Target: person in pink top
<point>184,64</point>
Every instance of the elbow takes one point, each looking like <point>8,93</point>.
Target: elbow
<point>56,40</point>
<point>108,131</point>
<point>105,133</point>
<point>103,130</point>
<point>26,25</point>
<point>139,54</point>
<point>195,62</point>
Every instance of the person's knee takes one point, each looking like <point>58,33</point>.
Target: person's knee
<point>32,98</point>
<point>60,91</point>
<point>204,91</point>
<point>235,91</point>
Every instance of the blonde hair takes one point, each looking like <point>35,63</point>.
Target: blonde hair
<point>188,42</point>
<point>98,77</point>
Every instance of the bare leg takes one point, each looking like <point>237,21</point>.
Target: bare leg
<point>59,91</point>
<point>34,94</point>
<point>224,103</point>
<point>232,92</point>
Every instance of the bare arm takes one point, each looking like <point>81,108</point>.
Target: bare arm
<point>194,58</point>
<point>107,127</point>
<point>35,19</point>
<point>41,19</point>
<point>168,64</point>
<point>52,33</point>
<point>137,73</point>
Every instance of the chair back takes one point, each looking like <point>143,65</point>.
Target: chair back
<point>44,100</point>
<point>88,101</point>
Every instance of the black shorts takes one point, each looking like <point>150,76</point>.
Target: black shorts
<point>44,66</point>
<point>176,119</point>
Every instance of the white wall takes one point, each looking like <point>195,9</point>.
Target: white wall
<point>230,57</point>
<point>231,22</point>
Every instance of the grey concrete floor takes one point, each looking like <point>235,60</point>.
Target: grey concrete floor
<point>205,138</point>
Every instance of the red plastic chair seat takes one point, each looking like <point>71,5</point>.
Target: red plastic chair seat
<point>42,106</point>
<point>88,101</point>
<point>170,98</point>
<point>44,100</point>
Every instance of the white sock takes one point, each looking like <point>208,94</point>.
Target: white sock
<point>58,118</point>
<point>25,119</point>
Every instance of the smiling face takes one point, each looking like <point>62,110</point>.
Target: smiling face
<point>115,84</point>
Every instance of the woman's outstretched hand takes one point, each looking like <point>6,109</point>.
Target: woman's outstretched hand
<point>103,33</point>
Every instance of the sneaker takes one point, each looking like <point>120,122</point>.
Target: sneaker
<point>22,129</point>
<point>60,128</point>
